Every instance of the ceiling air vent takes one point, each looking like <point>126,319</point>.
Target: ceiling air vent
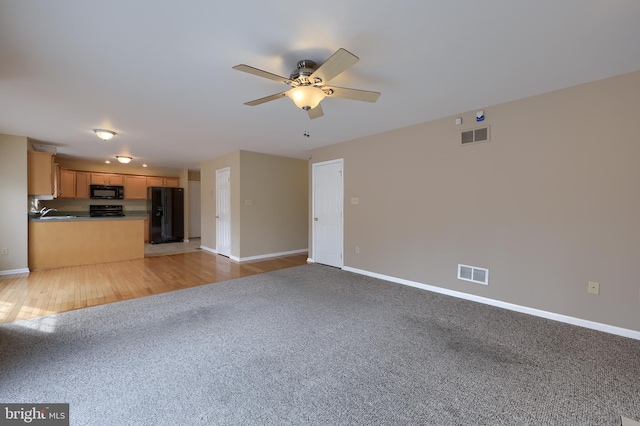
<point>473,274</point>
<point>475,135</point>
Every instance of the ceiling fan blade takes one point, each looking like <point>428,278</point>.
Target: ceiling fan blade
<point>353,94</point>
<point>338,62</point>
<point>261,73</point>
<point>315,112</point>
<point>266,99</point>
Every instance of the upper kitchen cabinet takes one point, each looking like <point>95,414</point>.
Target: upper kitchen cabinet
<point>135,187</point>
<point>41,173</point>
<point>67,184</point>
<point>167,182</point>
<point>82,184</point>
<point>107,179</point>
<point>172,182</point>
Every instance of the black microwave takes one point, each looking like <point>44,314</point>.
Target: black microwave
<point>106,192</point>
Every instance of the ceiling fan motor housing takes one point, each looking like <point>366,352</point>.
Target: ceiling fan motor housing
<point>300,76</point>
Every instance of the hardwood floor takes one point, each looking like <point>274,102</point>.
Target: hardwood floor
<point>48,291</point>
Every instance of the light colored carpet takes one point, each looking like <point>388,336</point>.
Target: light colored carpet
<point>316,345</point>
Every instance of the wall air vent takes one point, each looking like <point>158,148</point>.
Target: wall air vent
<point>473,274</point>
<point>481,134</point>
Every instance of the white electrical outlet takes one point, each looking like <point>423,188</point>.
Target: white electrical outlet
<point>4,251</point>
<point>355,200</point>
<point>357,249</point>
<point>594,287</point>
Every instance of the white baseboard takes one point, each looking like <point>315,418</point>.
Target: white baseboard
<point>210,250</point>
<point>268,255</point>
<point>310,260</point>
<point>15,271</point>
<point>632,334</point>
<point>261,256</point>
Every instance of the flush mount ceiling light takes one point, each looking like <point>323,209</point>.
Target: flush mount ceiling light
<point>105,135</point>
<point>123,159</point>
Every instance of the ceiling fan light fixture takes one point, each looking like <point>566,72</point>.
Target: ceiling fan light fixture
<point>123,159</point>
<point>105,135</point>
<point>306,97</point>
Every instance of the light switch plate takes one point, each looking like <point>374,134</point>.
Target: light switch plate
<point>594,287</point>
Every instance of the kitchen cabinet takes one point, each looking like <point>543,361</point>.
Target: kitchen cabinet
<point>135,187</point>
<point>41,173</point>
<point>107,179</point>
<point>84,242</point>
<point>146,229</point>
<point>66,183</point>
<point>167,182</point>
<point>82,184</point>
<point>172,182</point>
<point>154,181</point>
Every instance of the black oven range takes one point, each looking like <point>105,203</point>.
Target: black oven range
<point>105,211</point>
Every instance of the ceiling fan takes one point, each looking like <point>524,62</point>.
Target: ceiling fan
<point>308,83</point>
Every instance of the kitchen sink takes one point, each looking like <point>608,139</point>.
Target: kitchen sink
<point>57,217</point>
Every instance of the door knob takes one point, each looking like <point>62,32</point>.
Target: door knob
<point>217,217</point>
<point>315,218</point>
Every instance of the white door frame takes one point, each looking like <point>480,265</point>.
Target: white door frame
<point>313,204</point>
<point>218,246</point>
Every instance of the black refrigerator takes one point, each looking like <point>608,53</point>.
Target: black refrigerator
<point>165,207</point>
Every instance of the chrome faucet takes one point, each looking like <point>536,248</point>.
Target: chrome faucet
<point>45,210</point>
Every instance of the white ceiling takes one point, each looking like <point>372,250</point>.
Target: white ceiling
<point>158,72</point>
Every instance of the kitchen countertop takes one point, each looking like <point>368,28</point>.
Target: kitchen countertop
<point>73,218</point>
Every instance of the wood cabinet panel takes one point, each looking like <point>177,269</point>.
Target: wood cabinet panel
<point>135,187</point>
<point>40,172</point>
<point>172,182</point>
<point>58,244</point>
<point>107,179</point>
<point>82,184</point>
<point>168,182</point>
<point>154,181</point>
<point>146,229</point>
<point>67,184</point>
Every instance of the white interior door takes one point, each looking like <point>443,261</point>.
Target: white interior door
<point>328,239</point>
<point>223,211</point>
<point>194,209</point>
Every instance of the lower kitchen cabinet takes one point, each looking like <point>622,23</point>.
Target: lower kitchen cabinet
<point>146,229</point>
<point>55,244</point>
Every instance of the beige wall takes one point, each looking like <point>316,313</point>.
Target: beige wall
<point>275,219</point>
<point>13,196</point>
<point>549,204</point>
<point>274,192</point>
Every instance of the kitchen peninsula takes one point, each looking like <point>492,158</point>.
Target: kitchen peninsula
<point>71,241</point>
